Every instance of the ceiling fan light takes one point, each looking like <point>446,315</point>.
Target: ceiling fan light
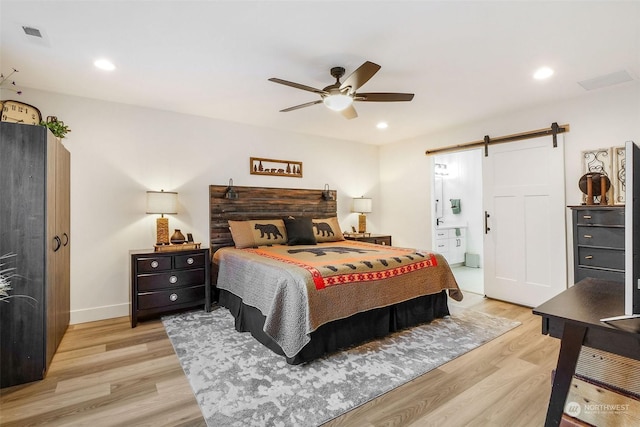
<point>337,102</point>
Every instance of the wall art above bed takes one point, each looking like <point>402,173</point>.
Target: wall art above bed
<point>260,166</point>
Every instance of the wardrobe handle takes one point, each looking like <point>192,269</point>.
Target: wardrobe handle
<point>56,243</point>
<point>66,239</point>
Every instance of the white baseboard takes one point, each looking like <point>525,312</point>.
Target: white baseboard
<point>99,313</point>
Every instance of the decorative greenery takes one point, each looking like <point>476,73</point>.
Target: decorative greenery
<point>6,274</point>
<point>57,127</point>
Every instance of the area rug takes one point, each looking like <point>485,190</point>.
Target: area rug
<point>239,382</point>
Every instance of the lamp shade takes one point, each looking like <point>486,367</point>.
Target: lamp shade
<point>162,202</point>
<point>362,205</point>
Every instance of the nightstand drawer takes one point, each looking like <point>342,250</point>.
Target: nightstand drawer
<point>155,263</point>
<point>603,258</point>
<point>173,279</point>
<point>610,237</point>
<point>189,261</point>
<point>168,298</point>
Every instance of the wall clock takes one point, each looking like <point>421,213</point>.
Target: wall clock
<point>19,112</point>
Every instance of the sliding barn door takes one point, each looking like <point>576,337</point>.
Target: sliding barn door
<point>525,235</point>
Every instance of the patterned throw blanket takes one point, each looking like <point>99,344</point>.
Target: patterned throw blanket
<point>300,288</point>
<point>349,262</point>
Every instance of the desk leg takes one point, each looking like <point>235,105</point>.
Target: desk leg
<point>572,338</point>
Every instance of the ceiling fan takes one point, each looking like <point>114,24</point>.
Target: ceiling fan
<point>340,96</point>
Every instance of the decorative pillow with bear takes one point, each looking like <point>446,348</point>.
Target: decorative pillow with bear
<point>249,234</point>
<point>327,230</point>
<point>299,231</point>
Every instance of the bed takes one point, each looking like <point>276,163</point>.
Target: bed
<point>283,269</point>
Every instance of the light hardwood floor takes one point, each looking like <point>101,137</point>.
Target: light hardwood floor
<point>107,374</point>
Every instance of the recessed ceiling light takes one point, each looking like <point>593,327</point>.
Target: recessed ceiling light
<point>543,73</point>
<point>104,64</point>
<point>382,125</point>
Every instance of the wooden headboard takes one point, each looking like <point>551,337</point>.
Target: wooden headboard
<point>262,203</point>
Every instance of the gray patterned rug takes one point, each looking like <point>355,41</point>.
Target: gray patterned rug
<point>239,382</point>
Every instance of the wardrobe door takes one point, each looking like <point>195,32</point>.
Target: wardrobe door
<point>22,232</point>
<point>63,255</point>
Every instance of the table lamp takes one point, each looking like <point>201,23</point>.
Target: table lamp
<point>362,205</point>
<point>162,202</point>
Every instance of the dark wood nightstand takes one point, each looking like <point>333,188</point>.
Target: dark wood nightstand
<point>378,239</point>
<point>163,282</point>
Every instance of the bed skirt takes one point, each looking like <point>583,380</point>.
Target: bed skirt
<point>341,333</point>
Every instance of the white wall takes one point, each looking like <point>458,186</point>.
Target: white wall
<point>602,118</point>
<point>118,152</point>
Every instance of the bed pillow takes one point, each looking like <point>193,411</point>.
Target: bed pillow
<point>299,231</point>
<point>259,232</point>
<point>327,230</point>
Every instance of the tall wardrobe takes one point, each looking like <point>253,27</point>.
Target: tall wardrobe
<point>34,229</point>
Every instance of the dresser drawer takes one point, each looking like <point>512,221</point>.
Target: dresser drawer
<point>600,216</point>
<point>153,263</point>
<point>614,276</point>
<point>603,258</point>
<point>148,300</point>
<point>610,237</point>
<point>189,261</point>
<point>172,279</point>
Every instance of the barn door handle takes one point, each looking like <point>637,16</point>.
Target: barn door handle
<point>486,222</point>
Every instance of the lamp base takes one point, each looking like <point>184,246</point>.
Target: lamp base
<point>162,231</point>
<point>362,223</point>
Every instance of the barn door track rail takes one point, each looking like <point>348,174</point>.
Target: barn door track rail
<point>553,130</point>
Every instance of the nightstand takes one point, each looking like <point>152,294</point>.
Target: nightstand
<point>378,239</point>
<point>163,282</point>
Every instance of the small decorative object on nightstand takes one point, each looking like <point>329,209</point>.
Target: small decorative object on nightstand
<point>378,239</point>
<point>168,281</point>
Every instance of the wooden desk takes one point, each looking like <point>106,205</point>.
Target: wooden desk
<point>574,317</point>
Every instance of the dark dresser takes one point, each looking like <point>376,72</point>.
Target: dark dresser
<point>163,282</point>
<point>598,242</point>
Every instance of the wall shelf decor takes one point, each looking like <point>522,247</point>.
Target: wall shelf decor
<point>611,163</point>
<point>260,166</point>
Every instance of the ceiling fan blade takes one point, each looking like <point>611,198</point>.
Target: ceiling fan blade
<point>296,107</point>
<point>349,112</point>
<point>360,76</point>
<point>383,97</point>
<point>298,86</point>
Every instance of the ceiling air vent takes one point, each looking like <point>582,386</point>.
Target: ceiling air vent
<point>606,80</point>
<point>30,31</point>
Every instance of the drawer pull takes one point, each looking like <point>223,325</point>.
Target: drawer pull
<point>587,236</point>
<point>589,257</point>
<point>173,279</point>
<point>173,297</point>
<point>154,264</point>
<point>189,260</point>
<point>586,216</point>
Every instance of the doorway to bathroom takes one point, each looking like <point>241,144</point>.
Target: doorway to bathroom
<point>457,215</point>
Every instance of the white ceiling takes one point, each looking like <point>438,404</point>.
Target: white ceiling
<point>464,61</point>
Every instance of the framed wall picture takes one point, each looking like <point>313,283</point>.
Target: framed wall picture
<point>619,175</point>
<point>262,166</point>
